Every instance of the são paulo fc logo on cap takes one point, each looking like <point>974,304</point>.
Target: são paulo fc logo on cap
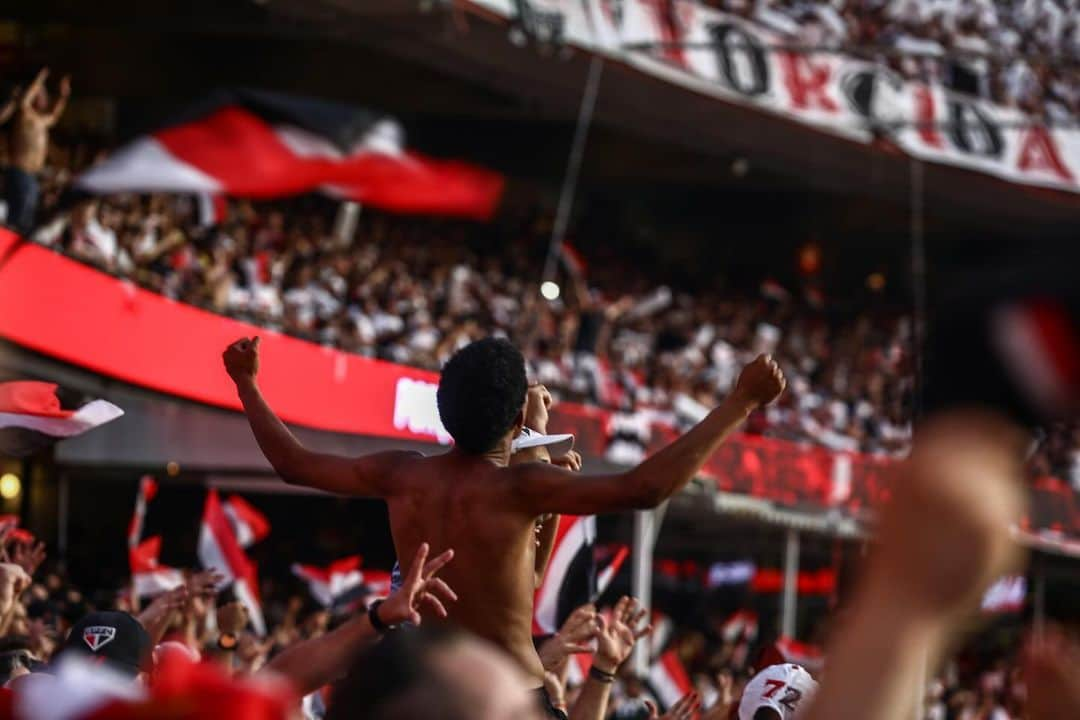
<point>98,636</point>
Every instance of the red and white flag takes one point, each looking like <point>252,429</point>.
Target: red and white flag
<point>148,576</point>
<point>376,584</point>
<point>249,143</point>
<point>668,679</point>
<point>31,416</point>
<point>570,578</point>
<point>220,550</point>
<point>249,524</point>
<point>662,630</point>
<point>333,584</point>
<point>146,492</point>
<point>573,261</point>
<point>607,575</point>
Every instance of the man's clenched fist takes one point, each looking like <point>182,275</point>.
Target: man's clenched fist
<point>242,359</point>
<point>760,382</point>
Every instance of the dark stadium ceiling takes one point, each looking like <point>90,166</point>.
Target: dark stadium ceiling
<point>467,90</point>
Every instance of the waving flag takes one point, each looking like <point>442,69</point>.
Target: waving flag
<point>607,575</point>
<point>146,492</point>
<point>570,579</point>
<point>333,584</point>
<point>31,416</point>
<point>249,525</point>
<point>148,576</point>
<point>257,144</point>
<point>668,679</point>
<point>220,550</point>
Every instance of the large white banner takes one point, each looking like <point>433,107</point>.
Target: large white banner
<point>729,58</point>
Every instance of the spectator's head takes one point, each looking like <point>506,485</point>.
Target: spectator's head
<point>15,663</point>
<point>434,674</point>
<point>113,638</point>
<point>481,394</point>
<point>779,692</point>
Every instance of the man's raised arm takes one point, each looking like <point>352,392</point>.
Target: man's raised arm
<point>544,489</point>
<point>369,476</point>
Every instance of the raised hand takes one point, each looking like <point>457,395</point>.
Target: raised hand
<point>28,556</point>
<point>721,709</point>
<point>686,709</point>
<point>537,405</point>
<point>1050,664</point>
<point>760,382</point>
<point>158,615</point>
<point>420,587</point>
<point>575,636</point>
<point>570,461</point>
<point>617,636</point>
<point>242,359</point>
<point>232,618</point>
<point>203,583</point>
<point>556,690</point>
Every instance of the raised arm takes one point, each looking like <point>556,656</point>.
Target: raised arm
<point>8,108</point>
<point>31,93</point>
<point>61,101</point>
<point>542,489</point>
<point>319,661</point>
<point>370,475</point>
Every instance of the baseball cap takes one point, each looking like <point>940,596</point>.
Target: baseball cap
<point>557,445</point>
<point>787,689</point>
<point>115,638</point>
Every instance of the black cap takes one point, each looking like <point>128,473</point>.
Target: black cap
<point>115,638</point>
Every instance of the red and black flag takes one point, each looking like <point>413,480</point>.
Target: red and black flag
<point>257,144</point>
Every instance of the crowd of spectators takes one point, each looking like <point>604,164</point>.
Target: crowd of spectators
<point>413,291</point>
<point>40,608</point>
<point>1017,53</point>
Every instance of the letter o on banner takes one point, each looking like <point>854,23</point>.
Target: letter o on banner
<point>972,132</point>
<point>741,59</point>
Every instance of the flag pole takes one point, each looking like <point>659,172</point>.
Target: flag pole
<point>573,165</point>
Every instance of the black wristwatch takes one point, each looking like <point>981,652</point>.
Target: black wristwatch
<point>376,622</point>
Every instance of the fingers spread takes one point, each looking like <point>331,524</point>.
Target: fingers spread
<point>438,563</point>
<point>435,604</point>
<point>417,565</point>
<point>439,587</point>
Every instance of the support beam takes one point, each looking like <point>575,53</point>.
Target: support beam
<point>1039,601</point>
<point>646,530</point>
<point>791,584</point>
<point>641,580</point>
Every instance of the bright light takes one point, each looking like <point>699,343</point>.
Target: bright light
<point>10,486</point>
<point>876,282</point>
<point>549,290</point>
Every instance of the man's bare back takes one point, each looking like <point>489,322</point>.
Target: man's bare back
<point>470,499</point>
<point>457,501</point>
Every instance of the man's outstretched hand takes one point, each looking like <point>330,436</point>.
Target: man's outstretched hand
<point>420,587</point>
<point>760,382</point>
<point>242,359</point>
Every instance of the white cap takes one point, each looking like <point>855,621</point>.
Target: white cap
<point>557,445</point>
<point>788,689</point>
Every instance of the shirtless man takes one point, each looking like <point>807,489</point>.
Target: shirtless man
<point>29,140</point>
<point>471,499</point>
